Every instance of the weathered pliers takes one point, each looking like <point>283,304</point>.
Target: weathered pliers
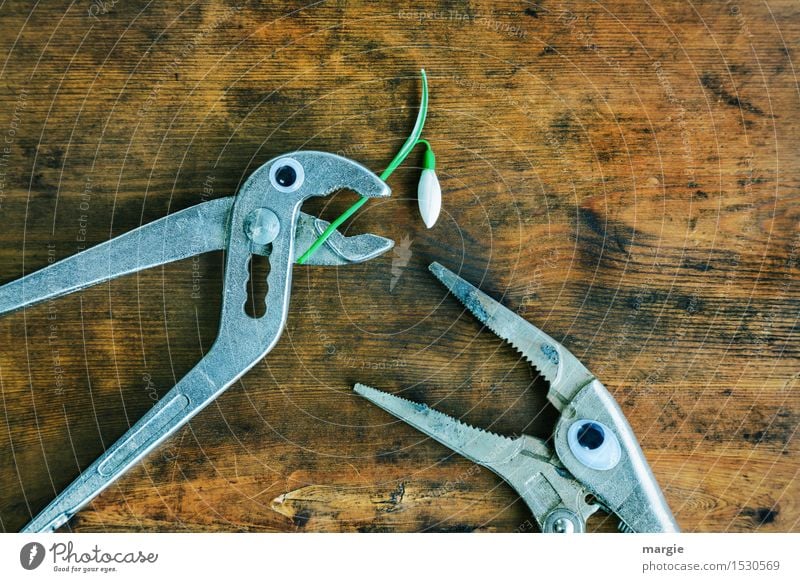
<point>264,219</point>
<point>596,461</point>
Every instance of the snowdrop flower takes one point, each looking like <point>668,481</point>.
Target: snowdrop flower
<point>429,192</point>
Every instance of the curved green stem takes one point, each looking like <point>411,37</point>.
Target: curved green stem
<point>398,159</point>
<point>429,161</point>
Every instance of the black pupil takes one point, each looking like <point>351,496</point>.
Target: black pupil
<point>285,176</point>
<point>590,436</point>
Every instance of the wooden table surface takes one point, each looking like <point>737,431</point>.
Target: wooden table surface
<point>624,174</point>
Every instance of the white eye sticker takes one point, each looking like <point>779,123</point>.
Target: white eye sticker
<point>593,444</point>
<point>286,175</point>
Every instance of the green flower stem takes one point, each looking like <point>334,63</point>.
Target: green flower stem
<point>401,155</point>
<point>429,161</point>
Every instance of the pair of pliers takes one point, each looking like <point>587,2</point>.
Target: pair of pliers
<point>264,218</point>
<point>595,461</point>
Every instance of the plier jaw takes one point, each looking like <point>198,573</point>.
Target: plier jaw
<point>595,452</point>
<point>264,218</point>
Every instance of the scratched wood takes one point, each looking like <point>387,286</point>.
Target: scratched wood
<point>623,174</point>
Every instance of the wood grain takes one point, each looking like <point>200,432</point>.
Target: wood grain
<point>623,174</point>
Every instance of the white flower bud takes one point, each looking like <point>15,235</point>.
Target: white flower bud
<point>429,197</point>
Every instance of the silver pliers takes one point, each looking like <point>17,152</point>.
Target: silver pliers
<point>595,460</point>
<point>264,218</point>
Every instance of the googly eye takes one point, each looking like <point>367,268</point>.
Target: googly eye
<point>594,444</point>
<point>286,175</point>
